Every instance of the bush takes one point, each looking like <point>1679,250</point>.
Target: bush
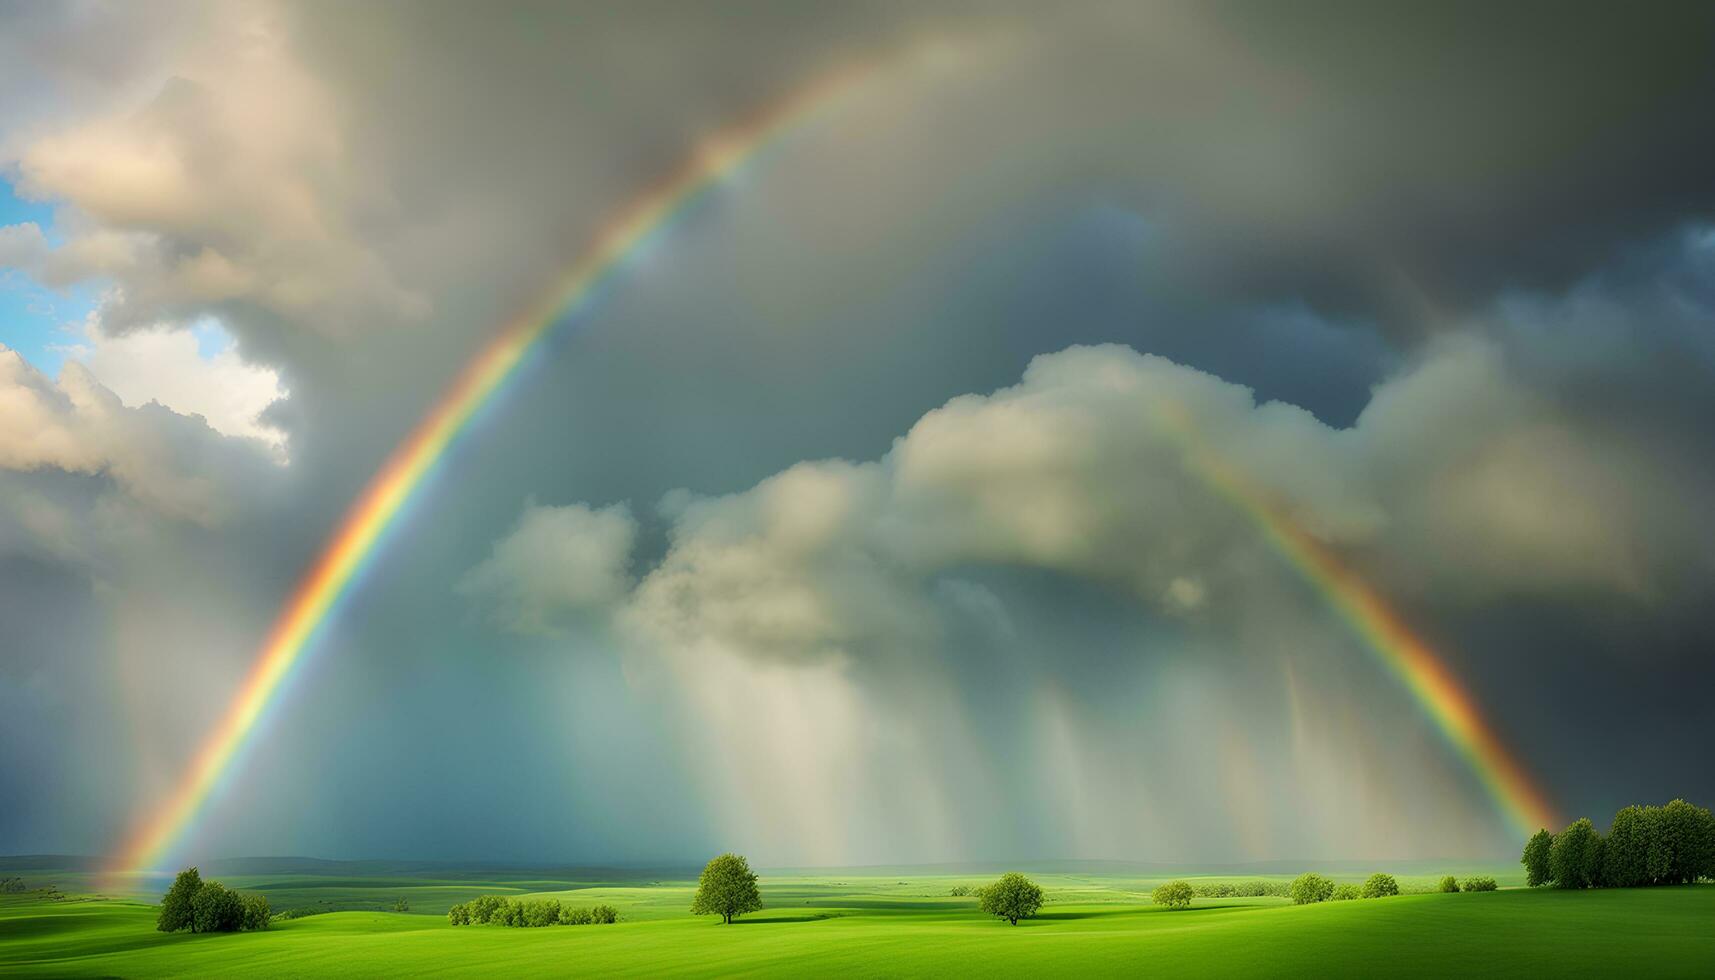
<point>576,916</point>
<point>1480,883</point>
<point>1012,897</point>
<point>484,907</point>
<point>539,912</point>
<point>12,885</point>
<point>509,913</point>
<point>960,891</point>
<point>1174,895</point>
<point>402,904</point>
<point>256,912</point>
<point>1535,860</point>
<point>604,915</point>
<point>459,915</point>
<point>1345,893</point>
<point>176,904</point>
<point>1449,884</point>
<point>727,888</point>
<point>216,908</point>
<point>1311,887</point>
<point>1380,886</point>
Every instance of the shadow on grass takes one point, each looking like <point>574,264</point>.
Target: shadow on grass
<point>1089,914</point>
<point>813,917</point>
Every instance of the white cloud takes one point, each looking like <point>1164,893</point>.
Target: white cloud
<point>557,559</point>
<point>167,366</point>
<point>1458,479</point>
<point>174,464</point>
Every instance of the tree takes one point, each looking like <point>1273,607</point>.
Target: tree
<point>1625,859</point>
<point>604,915</point>
<point>459,915</point>
<point>1174,895</point>
<point>216,908</point>
<point>1480,883</point>
<point>1345,893</point>
<point>256,913</point>
<point>1449,884</point>
<point>1380,885</point>
<point>1575,858</point>
<point>176,904</point>
<point>1311,887</point>
<point>1012,897</point>
<point>1688,833</point>
<point>1535,860</point>
<point>402,904</point>
<point>727,889</point>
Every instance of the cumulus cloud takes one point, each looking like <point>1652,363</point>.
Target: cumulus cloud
<point>556,560</point>
<point>202,198</point>
<point>174,464</point>
<point>1457,480</point>
<point>168,366</point>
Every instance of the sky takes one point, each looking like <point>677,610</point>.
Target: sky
<point>915,495</point>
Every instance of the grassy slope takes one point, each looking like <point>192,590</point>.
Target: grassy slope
<point>871,929</point>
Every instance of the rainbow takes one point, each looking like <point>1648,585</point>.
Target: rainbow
<point>1380,628</point>
<point>359,534</point>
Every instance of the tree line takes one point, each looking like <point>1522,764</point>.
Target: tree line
<point>528,913</point>
<point>1645,845</point>
<point>209,906</point>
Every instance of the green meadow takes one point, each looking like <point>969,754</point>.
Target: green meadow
<point>869,923</point>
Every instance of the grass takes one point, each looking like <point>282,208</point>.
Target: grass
<point>881,925</point>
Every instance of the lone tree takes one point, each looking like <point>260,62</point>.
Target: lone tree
<point>727,889</point>
<point>176,904</point>
<point>1174,895</point>
<point>1535,858</point>
<point>1013,897</point>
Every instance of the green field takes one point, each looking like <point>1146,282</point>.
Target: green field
<point>873,924</point>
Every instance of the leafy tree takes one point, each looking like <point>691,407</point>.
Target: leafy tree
<point>1449,884</point>
<point>459,915</point>
<point>176,904</point>
<point>604,915</point>
<point>216,908</point>
<point>1480,883</point>
<point>576,916</point>
<point>1012,897</point>
<point>1380,885</point>
<point>508,913</point>
<point>257,913</point>
<point>727,889</point>
<point>1311,887</point>
<point>1174,895</point>
<point>540,912</point>
<point>1535,860</point>
<point>1345,893</point>
<point>1575,858</point>
<point>1625,859</point>
<point>1688,833</point>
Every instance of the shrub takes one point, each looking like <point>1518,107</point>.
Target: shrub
<point>539,912</point>
<point>216,908</point>
<point>483,908</point>
<point>727,888</point>
<point>1311,887</point>
<point>509,913</point>
<point>1449,884</point>
<point>576,916</point>
<point>1345,893</point>
<point>960,891</point>
<point>604,915</point>
<point>1174,895</point>
<point>402,904</point>
<point>256,912</point>
<point>176,904</point>
<point>12,885</point>
<point>1480,883</point>
<point>459,915</point>
<point>1535,860</point>
<point>1012,897</point>
<point>1380,886</point>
